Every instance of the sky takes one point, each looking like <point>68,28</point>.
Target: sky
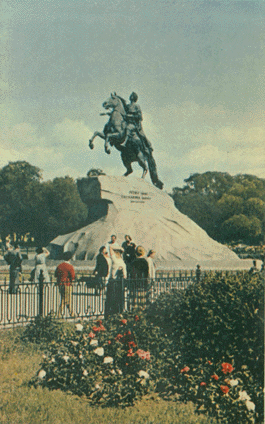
<point>197,67</point>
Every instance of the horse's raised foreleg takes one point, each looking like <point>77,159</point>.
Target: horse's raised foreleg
<point>96,134</point>
<point>110,139</point>
<point>142,162</point>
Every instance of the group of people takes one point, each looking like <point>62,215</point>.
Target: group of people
<point>13,258</point>
<point>126,261</point>
<point>114,263</point>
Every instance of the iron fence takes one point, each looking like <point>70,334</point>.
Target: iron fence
<point>89,298</point>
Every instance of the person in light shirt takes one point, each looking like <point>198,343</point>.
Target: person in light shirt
<point>151,264</point>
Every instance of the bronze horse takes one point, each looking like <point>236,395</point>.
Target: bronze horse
<point>115,134</point>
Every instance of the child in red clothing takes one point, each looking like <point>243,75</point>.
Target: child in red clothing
<point>65,275</point>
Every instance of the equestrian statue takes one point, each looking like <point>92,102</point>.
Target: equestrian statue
<point>124,131</point>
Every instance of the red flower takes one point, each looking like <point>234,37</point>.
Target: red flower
<point>210,363</point>
<point>131,344</point>
<point>215,377</point>
<point>129,333</point>
<point>102,328</point>
<point>203,384</point>
<point>95,329</point>
<point>124,321</point>
<point>185,369</point>
<point>109,342</point>
<point>130,352</point>
<point>119,337</point>
<point>227,368</point>
<point>91,335</point>
<point>224,389</point>
<point>136,318</point>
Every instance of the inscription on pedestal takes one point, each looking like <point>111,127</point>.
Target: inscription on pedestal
<point>136,196</point>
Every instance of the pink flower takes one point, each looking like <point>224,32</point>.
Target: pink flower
<point>91,335</point>
<point>224,389</point>
<point>185,369</point>
<point>227,368</point>
<point>130,352</point>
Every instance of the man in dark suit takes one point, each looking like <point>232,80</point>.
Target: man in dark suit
<point>14,260</point>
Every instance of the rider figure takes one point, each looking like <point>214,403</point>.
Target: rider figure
<point>134,116</point>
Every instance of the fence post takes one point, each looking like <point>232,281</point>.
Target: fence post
<point>41,280</point>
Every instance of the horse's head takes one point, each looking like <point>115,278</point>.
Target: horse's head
<point>114,102</point>
<point>111,102</point>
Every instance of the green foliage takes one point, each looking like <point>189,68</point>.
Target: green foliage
<point>110,364</point>
<point>240,227</point>
<point>220,320</point>
<point>44,330</point>
<point>228,208</point>
<point>21,404</point>
<point>16,182</point>
<point>203,345</point>
<point>44,209</point>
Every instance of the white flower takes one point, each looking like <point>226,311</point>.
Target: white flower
<point>80,356</point>
<point>44,357</point>
<point>99,351</point>
<point>243,395</point>
<point>94,342</point>
<point>74,343</point>
<point>250,405</point>
<point>97,386</point>
<point>119,372</point>
<point>233,383</point>
<point>66,358</point>
<point>78,327</point>
<point>113,372</point>
<point>53,360</point>
<point>108,360</point>
<point>143,374</point>
<point>41,374</point>
<point>85,373</point>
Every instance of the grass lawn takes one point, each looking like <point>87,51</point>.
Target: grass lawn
<point>20,404</point>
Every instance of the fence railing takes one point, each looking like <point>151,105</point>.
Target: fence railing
<point>88,298</point>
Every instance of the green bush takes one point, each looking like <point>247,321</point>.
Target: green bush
<point>43,330</point>
<point>220,320</point>
<point>109,363</point>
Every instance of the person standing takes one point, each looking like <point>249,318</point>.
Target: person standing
<point>129,253</point>
<point>103,265</point>
<point>139,283</point>
<point>115,288</point>
<point>65,275</point>
<point>112,243</point>
<point>14,259</point>
<point>151,264</point>
<point>40,264</point>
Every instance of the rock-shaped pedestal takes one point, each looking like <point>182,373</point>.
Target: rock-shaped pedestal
<point>119,205</point>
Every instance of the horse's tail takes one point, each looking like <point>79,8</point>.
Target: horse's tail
<point>153,172</point>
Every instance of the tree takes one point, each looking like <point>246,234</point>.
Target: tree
<point>240,227</point>
<point>224,206</point>
<point>16,180</point>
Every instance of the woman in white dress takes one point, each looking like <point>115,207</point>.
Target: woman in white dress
<point>151,265</point>
<point>40,264</point>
